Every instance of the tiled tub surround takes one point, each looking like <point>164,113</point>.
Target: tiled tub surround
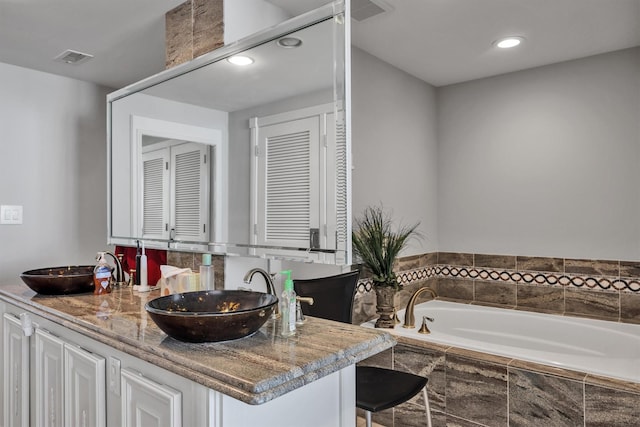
<point>608,290</point>
<point>470,388</point>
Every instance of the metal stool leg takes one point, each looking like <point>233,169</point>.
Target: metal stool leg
<point>427,408</point>
<point>367,415</point>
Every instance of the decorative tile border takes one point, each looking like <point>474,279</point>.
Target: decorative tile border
<point>404,277</point>
<point>554,272</point>
<point>540,278</point>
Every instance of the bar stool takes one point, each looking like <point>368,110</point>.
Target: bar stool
<point>376,388</point>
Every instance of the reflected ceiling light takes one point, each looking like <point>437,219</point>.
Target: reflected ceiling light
<point>240,60</point>
<point>508,42</point>
<point>289,42</point>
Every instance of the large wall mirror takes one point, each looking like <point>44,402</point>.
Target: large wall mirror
<point>240,158</point>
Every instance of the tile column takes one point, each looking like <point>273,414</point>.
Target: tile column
<point>193,29</point>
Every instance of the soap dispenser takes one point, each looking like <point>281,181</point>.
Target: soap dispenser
<point>288,306</point>
<point>102,275</point>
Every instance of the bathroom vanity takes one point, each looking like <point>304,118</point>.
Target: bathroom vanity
<point>100,361</point>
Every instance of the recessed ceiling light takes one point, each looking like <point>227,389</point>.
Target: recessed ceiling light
<point>240,60</point>
<point>508,42</point>
<point>289,42</point>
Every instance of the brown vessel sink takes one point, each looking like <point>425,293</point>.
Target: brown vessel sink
<point>209,316</point>
<point>60,280</point>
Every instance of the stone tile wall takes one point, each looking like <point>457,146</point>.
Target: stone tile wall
<point>192,29</point>
<point>468,388</point>
<point>608,290</point>
<point>194,260</point>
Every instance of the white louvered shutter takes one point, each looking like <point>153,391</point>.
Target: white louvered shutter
<point>190,195</point>
<point>155,205</point>
<point>336,183</point>
<point>288,196</point>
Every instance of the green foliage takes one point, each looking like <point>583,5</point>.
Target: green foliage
<point>378,246</point>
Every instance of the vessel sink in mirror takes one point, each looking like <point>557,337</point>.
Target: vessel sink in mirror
<point>209,316</point>
<point>60,280</point>
<point>247,160</point>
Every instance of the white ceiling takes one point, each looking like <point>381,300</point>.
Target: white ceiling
<point>439,41</point>
<point>126,37</point>
<point>449,41</point>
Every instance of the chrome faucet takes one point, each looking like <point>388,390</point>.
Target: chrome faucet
<point>118,275</point>
<point>409,318</point>
<point>268,278</point>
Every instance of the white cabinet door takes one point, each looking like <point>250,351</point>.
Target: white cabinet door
<point>84,388</point>
<point>15,380</point>
<point>146,403</point>
<point>49,381</point>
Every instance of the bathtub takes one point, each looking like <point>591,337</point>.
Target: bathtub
<point>592,346</point>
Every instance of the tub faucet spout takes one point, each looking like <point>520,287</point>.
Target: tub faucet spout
<point>409,318</point>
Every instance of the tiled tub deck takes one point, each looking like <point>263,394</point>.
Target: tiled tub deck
<point>469,388</point>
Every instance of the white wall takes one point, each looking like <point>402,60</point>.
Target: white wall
<point>543,162</point>
<point>245,17</point>
<point>394,146</point>
<point>53,163</point>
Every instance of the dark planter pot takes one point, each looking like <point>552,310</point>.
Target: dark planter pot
<point>385,296</point>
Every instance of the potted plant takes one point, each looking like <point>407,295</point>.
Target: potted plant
<point>377,245</point>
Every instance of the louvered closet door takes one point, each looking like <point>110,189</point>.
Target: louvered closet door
<point>190,195</point>
<point>288,189</point>
<point>155,205</point>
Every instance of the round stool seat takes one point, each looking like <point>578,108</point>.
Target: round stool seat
<point>379,388</point>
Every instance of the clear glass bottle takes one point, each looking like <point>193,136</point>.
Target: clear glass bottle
<point>207,276</point>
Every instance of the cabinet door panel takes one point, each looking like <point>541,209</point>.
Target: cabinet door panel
<point>49,381</point>
<point>146,403</point>
<point>15,370</point>
<point>84,388</point>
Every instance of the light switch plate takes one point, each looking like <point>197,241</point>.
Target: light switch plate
<point>10,214</point>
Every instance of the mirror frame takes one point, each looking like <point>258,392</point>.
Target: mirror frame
<point>337,10</point>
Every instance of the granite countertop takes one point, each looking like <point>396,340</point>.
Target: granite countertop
<point>254,369</point>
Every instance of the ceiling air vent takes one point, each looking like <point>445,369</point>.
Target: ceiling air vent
<point>365,9</point>
<point>73,57</point>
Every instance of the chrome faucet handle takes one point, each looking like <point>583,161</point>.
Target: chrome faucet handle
<point>424,329</point>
